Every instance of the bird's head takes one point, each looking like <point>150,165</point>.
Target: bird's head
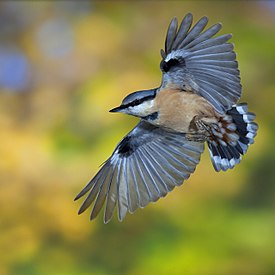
<point>139,104</point>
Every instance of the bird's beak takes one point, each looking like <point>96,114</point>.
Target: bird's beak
<point>116,110</point>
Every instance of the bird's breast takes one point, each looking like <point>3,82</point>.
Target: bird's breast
<point>177,109</point>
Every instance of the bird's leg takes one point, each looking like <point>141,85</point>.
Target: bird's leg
<point>200,128</point>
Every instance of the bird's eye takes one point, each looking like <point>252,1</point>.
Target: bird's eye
<point>138,101</point>
<point>135,102</point>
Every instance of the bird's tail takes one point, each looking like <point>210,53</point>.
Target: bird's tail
<point>231,137</point>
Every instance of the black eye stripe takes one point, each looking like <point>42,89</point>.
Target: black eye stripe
<point>138,101</point>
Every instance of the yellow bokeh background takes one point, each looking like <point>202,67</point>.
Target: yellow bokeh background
<point>63,65</point>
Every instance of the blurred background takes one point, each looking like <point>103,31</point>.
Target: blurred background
<point>63,65</point>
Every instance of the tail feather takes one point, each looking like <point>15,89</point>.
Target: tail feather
<point>235,132</point>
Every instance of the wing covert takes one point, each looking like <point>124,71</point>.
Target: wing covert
<point>147,164</point>
<point>195,60</point>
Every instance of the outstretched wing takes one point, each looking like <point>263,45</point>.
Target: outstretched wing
<point>195,60</point>
<point>147,164</point>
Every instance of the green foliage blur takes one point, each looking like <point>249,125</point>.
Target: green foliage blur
<point>63,65</point>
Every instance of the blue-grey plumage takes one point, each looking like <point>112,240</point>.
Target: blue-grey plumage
<point>205,65</point>
<point>141,169</point>
<point>196,103</point>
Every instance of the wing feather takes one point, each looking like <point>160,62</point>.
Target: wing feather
<point>225,90</point>
<point>102,193</point>
<point>197,52</point>
<point>217,63</point>
<point>94,185</point>
<point>205,35</point>
<point>156,162</point>
<point>133,195</point>
<point>209,42</point>
<point>90,185</point>
<point>166,180</point>
<point>208,94</point>
<point>186,161</point>
<point>222,80</point>
<point>154,174</point>
<point>145,194</point>
<point>228,47</point>
<point>215,68</point>
<point>111,199</point>
<point>171,33</point>
<point>122,187</point>
<point>208,91</point>
<point>166,169</point>
<point>133,177</point>
<point>220,74</point>
<point>169,168</point>
<point>194,32</point>
<point>176,163</point>
<point>183,29</point>
<point>145,170</point>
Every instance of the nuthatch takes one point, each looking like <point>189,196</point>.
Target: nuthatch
<point>195,103</point>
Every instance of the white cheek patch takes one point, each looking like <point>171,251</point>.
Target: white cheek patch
<point>142,109</point>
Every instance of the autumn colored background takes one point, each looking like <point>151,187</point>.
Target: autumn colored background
<point>63,65</point>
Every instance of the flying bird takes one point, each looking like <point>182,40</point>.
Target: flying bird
<point>195,104</point>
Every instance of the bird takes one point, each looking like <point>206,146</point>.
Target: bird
<point>195,104</point>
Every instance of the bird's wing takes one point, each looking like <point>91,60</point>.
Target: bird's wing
<point>147,164</point>
<point>195,60</point>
